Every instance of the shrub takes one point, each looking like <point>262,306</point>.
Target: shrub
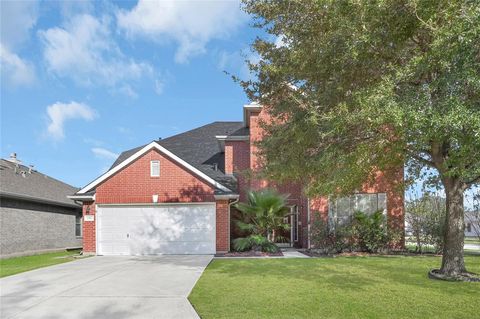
<point>370,231</point>
<point>263,214</point>
<point>260,220</point>
<point>256,243</point>
<point>335,239</point>
<point>364,232</point>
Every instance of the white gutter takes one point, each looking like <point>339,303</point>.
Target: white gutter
<point>82,197</point>
<point>227,196</point>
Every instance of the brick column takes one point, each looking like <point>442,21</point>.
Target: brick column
<point>222,226</point>
<point>89,239</point>
<point>228,157</point>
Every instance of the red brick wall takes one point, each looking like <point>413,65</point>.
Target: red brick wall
<point>237,159</point>
<point>133,183</point>
<point>222,226</point>
<point>88,231</point>
<point>294,190</point>
<point>389,183</point>
<point>385,183</point>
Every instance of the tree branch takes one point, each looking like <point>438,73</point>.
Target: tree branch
<point>475,180</point>
<point>422,160</point>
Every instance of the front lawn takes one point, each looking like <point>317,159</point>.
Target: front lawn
<point>342,287</point>
<point>15,265</point>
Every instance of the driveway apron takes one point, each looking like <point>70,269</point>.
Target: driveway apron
<point>105,287</point>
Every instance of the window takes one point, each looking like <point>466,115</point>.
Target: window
<point>154,168</point>
<point>78,225</point>
<point>342,210</point>
<point>468,227</point>
<point>294,214</point>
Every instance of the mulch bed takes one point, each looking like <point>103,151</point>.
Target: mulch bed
<point>365,254</point>
<point>250,254</point>
<point>467,277</point>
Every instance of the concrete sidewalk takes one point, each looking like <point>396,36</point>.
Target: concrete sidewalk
<point>105,287</point>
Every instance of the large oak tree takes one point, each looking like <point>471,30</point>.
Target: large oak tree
<point>359,86</point>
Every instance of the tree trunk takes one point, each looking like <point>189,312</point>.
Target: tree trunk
<point>419,241</point>
<point>452,260</point>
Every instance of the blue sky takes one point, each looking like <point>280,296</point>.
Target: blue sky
<point>83,81</point>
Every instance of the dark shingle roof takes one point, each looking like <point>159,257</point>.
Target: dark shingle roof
<point>199,147</point>
<point>243,131</point>
<point>124,155</point>
<point>34,186</point>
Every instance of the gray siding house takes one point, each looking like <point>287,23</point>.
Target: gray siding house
<point>35,213</point>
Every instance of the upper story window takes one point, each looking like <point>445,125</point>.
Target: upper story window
<point>154,168</point>
<point>341,211</point>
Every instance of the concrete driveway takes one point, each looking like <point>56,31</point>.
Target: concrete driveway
<point>105,287</point>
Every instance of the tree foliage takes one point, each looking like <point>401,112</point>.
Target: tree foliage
<point>425,217</point>
<point>359,86</point>
<point>351,75</point>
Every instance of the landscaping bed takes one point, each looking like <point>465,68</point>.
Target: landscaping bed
<point>250,254</point>
<point>314,253</point>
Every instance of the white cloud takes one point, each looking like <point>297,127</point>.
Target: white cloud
<point>15,70</point>
<point>59,113</point>
<point>85,51</point>
<point>127,90</point>
<point>104,153</point>
<point>281,41</point>
<point>235,62</point>
<point>16,20</point>
<point>191,24</point>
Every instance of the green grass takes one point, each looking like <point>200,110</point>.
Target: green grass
<point>342,287</point>
<point>12,266</point>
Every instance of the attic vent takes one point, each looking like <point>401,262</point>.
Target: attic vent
<point>215,166</point>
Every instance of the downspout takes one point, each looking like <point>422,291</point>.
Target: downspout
<point>308,223</point>
<point>230,221</point>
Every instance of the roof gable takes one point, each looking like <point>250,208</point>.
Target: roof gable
<point>142,151</point>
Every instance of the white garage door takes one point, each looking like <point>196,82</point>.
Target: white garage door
<point>155,230</point>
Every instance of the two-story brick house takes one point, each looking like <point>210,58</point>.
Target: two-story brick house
<point>175,195</point>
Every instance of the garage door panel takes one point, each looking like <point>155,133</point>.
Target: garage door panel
<point>172,248</point>
<point>153,230</point>
<point>185,235</point>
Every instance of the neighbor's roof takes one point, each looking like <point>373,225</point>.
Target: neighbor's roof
<point>33,186</point>
<point>199,147</point>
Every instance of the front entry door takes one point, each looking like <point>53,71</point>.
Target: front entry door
<point>287,238</point>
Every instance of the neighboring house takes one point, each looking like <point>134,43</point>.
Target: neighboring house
<point>472,223</point>
<point>35,213</point>
<point>174,196</point>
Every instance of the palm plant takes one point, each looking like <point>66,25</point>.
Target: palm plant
<point>262,216</point>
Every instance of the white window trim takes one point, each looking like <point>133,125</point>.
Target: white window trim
<point>81,226</point>
<point>152,168</point>
<point>294,216</point>
<point>163,150</point>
